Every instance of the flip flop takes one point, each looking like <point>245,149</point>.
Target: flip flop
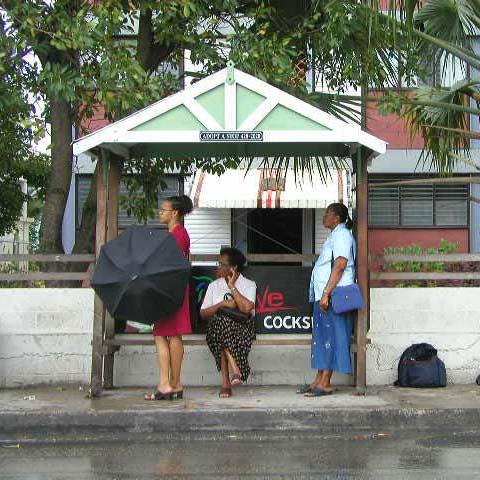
<point>317,392</point>
<point>236,379</point>
<point>158,395</point>
<point>225,392</point>
<point>304,388</point>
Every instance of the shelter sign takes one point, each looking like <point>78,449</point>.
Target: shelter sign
<point>233,136</point>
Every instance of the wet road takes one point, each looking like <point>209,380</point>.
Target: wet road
<point>367,455</point>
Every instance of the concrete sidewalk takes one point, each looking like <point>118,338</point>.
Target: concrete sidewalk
<point>45,413</point>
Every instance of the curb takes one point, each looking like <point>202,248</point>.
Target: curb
<point>112,424</point>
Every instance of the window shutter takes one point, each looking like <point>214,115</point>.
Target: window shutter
<point>451,205</point>
<point>384,206</point>
<point>417,205</point>
<point>427,205</point>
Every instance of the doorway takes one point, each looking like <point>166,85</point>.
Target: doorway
<point>275,231</point>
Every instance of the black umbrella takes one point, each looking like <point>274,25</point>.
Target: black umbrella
<point>141,275</point>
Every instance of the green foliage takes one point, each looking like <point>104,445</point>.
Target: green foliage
<point>16,135</point>
<point>15,267</point>
<point>90,53</point>
<point>272,43</point>
<point>355,47</point>
<point>445,247</point>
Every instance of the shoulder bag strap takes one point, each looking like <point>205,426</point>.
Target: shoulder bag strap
<point>332,261</point>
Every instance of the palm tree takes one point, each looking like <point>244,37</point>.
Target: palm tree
<point>444,31</point>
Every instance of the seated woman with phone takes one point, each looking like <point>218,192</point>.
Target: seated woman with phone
<point>229,305</point>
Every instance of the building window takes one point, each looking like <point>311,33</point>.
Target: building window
<point>174,185</point>
<point>419,206</point>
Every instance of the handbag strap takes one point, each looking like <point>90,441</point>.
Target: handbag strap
<point>332,261</point>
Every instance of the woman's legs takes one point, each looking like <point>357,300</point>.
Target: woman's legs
<point>316,382</point>
<point>176,358</point>
<point>324,383</point>
<point>232,363</point>
<point>225,370</point>
<point>226,390</point>
<point>163,362</point>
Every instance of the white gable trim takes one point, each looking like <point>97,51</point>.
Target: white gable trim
<point>259,114</point>
<point>230,107</point>
<point>201,114</point>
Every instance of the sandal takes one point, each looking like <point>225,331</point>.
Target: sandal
<point>225,392</point>
<point>302,389</point>
<point>236,379</point>
<point>177,395</point>
<point>317,392</point>
<point>158,395</point>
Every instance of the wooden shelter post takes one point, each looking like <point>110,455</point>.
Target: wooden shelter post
<point>113,193</point>
<point>362,267</point>
<point>96,380</point>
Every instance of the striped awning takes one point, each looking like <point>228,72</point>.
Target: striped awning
<point>267,188</point>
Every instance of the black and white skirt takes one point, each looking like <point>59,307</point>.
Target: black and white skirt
<point>235,336</point>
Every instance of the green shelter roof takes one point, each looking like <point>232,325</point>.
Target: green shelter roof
<point>230,113</point>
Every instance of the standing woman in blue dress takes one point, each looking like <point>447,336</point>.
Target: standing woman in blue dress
<point>331,332</point>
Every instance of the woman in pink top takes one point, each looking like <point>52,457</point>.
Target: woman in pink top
<point>168,332</point>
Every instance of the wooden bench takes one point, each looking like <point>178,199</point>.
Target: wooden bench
<point>134,339</point>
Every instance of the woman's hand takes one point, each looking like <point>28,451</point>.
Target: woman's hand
<point>229,304</point>
<point>232,277</point>
<point>324,301</point>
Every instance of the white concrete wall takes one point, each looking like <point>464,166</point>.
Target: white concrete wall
<point>270,364</point>
<point>448,318</point>
<point>45,336</point>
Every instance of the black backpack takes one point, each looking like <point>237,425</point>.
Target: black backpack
<point>419,366</point>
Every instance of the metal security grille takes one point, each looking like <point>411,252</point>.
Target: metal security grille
<point>173,187</point>
<point>417,205</point>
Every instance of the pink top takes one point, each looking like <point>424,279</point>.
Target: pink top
<point>181,236</point>
<point>179,323</point>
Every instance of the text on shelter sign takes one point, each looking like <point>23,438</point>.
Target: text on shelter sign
<point>232,136</point>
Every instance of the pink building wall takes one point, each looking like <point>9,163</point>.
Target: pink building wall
<point>379,239</point>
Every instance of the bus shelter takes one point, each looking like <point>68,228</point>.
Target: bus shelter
<point>228,116</point>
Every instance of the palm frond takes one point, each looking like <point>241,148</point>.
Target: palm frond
<point>304,167</point>
<point>461,132</point>
<point>444,27</point>
<point>467,161</point>
<point>344,107</point>
<point>427,116</point>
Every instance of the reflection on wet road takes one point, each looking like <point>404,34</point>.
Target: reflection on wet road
<point>367,455</point>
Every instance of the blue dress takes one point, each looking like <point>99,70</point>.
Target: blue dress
<point>331,332</point>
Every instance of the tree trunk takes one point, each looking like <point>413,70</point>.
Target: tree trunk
<point>59,184</point>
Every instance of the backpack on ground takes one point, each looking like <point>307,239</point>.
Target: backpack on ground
<point>420,367</point>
